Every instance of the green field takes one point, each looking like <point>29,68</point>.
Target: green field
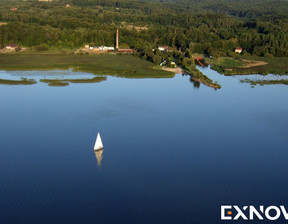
<point>105,64</point>
<point>225,62</point>
<point>275,65</point>
<point>232,66</point>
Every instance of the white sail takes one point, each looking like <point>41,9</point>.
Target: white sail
<point>98,144</point>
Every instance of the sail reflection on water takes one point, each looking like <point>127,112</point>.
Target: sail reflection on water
<point>99,156</point>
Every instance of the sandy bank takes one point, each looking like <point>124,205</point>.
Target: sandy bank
<point>175,70</point>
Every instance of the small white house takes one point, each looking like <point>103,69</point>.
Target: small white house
<point>238,50</point>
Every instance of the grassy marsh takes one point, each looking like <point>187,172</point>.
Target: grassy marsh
<point>104,64</point>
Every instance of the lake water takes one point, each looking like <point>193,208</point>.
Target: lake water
<point>173,153</point>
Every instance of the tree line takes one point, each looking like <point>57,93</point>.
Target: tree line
<point>212,27</point>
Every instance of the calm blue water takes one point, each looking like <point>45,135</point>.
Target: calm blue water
<point>172,153</point>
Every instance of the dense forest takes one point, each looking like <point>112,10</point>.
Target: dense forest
<point>214,27</point>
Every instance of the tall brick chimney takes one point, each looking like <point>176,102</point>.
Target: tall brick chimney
<point>117,36</point>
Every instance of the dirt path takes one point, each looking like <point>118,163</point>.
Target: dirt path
<point>250,64</point>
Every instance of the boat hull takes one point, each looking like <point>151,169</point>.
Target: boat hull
<point>99,148</point>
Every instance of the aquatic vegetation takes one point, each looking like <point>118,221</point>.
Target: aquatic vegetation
<point>65,82</point>
<point>265,82</point>
<point>23,81</point>
<point>105,64</point>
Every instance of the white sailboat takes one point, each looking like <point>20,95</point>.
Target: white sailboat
<point>98,144</point>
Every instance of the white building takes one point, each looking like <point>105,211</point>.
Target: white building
<point>238,50</point>
<point>104,48</point>
<point>163,48</point>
